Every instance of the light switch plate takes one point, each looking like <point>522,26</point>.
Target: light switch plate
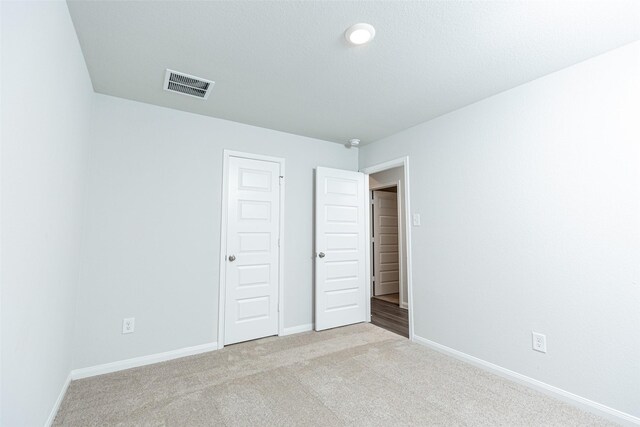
<point>416,220</point>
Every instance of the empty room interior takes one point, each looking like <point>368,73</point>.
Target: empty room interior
<point>332,213</point>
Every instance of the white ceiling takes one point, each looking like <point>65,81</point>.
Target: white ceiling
<point>285,65</point>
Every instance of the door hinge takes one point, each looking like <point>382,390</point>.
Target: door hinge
<point>373,239</point>
<point>281,179</point>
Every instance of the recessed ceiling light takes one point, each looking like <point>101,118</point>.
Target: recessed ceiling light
<point>360,33</point>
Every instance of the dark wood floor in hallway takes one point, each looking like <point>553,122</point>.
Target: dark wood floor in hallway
<point>390,316</point>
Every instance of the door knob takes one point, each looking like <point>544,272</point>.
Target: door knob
<point>232,258</point>
<point>321,255</point>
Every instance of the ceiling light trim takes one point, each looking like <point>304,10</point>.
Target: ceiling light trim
<point>360,34</point>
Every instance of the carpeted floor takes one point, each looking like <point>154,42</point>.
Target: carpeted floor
<point>356,375</point>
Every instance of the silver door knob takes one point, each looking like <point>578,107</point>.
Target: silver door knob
<point>232,258</point>
<point>321,255</point>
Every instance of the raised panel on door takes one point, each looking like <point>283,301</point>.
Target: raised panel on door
<point>340,248</point>
<point>252,263</point>
<point>385,247</point>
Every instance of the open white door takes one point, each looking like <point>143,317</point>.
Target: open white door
<point>341,241</point>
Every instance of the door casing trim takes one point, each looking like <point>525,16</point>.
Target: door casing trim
<point>223,239</point>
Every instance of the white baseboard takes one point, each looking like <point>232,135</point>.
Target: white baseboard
<point>404,305</point>
<point>574,399</point>
<point>56,406</point>
<point>141,361</point>
<point>297,329</point>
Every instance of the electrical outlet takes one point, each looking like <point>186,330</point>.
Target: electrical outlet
<point>128,325</point>
<point>539,342</point>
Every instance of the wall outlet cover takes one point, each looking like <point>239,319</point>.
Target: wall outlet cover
<point>128,325</point>
<point>539,342</point>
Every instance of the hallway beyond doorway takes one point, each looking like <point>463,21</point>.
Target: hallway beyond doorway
<point>390,316</point>
<point>392,298</point>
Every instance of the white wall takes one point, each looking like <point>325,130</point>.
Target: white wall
<point>46,103</point>
<point>391,177</point>
<point>530,204</point>
<point>153,226</point>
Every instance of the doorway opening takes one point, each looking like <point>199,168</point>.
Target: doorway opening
<point>344,263</point>
<point>389,247</point>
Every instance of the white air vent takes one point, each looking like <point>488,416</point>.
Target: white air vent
<point>186,84</point>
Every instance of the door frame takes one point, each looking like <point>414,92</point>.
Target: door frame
<point>404,162</point>
<point>227,154</point>
<point>401,239</point>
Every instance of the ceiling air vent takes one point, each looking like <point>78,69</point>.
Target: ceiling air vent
<point>187,84</point>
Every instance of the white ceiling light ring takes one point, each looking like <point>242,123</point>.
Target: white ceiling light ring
<point>360,34</point>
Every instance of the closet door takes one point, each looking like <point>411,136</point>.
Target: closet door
<point>252,258</point>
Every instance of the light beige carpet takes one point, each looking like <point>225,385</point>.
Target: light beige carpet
<point>358,375</point>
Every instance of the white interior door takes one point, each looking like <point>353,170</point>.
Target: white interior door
<point>341,239</point>
<point>252,261</point>
<point>385,243</point>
